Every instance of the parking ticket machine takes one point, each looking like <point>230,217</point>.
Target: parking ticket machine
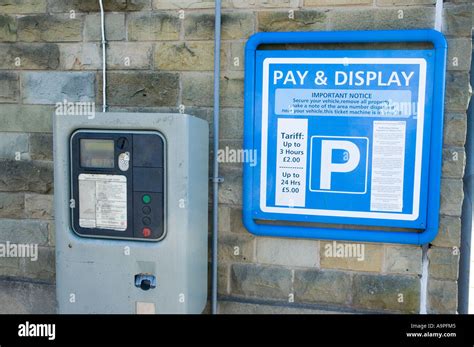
<point>131,202</point>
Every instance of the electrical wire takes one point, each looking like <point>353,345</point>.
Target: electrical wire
<point>104,58</point>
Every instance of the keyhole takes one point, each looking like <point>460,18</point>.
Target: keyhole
<point>122,143</point>
<point>145,285</point>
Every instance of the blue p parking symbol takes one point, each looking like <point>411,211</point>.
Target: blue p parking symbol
<point>339,164</point>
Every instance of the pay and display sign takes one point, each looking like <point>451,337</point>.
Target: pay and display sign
<point>343,137</point>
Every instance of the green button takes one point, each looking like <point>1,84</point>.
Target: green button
<point>146,198</point>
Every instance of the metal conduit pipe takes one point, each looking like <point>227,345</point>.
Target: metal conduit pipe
<point>215,177</point>
<point>104,58</point>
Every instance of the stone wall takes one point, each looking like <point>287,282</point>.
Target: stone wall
<point>160,58</point>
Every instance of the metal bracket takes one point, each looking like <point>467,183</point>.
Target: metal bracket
<point>216,179</point>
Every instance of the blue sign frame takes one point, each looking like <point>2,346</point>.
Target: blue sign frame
<point>426,155</point>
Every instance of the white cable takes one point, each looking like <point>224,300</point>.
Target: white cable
<point>104,58</point>
<point>439,15</point>
<point>424,279</point>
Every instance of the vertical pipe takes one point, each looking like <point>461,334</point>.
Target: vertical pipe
<point>215,178</point>
<point>439,15</point>
<point>424,279</point>
<point>104,59</point>
<point>466,261</point>
<point>424,260</point>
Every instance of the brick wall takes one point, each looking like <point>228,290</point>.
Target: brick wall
<point>160,58</point>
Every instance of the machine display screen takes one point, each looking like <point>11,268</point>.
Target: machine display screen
<point>97,153</point>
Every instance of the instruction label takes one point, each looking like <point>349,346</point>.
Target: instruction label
<point>291,162</point>
<point>103,201</point>
<point>388,163</point>
<point>344,102</point>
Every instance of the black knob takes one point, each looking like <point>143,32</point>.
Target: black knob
<point>145,285</point>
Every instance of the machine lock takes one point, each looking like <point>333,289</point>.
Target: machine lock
<point>145,281</point>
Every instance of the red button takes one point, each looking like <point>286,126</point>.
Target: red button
<point>146,232</point>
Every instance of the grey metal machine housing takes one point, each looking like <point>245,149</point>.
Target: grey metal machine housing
<point>107,273</point>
